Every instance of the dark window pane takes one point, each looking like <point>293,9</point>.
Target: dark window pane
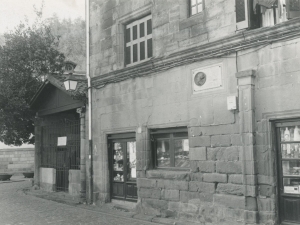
<point>149,26</point>
<point>142,50</point>
<point>181,149</point>
<point>134,35</point>
<point>142,29</point>
<point>127,55</point>
<point>135,53</point>
<point>149,47</point>
<point>127,35</point>
<point>240,10</point>
<point>163,153</point>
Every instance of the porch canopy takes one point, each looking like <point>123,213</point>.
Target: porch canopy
<point>52,97</point>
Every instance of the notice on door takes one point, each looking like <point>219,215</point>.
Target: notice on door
<point>61,141</point>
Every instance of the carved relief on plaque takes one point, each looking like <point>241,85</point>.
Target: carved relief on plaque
<point>207,78</point>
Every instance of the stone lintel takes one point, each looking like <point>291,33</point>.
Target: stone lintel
<point>245,73</point>
<point>245,77</point>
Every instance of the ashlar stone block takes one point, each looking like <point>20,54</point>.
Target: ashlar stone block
<point>202,187</point>
<point>232,189</point>
<point>215,177</point>
<point>198,153</point>
<point>172,195</point>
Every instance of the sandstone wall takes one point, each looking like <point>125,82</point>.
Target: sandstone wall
<point>16,160</point>
<point>173,28</point>
<point>276,97</point>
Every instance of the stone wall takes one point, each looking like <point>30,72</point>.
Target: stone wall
<point>233,174</point>
<point>173,28</point>
<point>216,148</point>
<point>74,182</point>
<point>47,179</point>
<point>16,160</point>
<point>277,89</point>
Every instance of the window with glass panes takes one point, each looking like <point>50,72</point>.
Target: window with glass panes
<point>170,148</point>
<point>196,6</point>
<point>138,39</point>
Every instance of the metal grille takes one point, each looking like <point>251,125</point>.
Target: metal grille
<point>240,10</point>
<point>61,158</point>
<point>294,5</point>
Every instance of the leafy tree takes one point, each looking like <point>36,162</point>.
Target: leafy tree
<point>29,53</point>
<point>71,34</point>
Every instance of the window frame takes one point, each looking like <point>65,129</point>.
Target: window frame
<point>171,135</point>
<point>138,41</point>
<point>191,6</point>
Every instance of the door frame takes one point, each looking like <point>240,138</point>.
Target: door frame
<point>120,138</point>
<point>279,172</point>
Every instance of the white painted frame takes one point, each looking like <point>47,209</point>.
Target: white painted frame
<point>139,39</point>
<point>198,2</point>
<point>244,24</point>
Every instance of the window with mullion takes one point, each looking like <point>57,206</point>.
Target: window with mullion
<point>138,39</point>
<point>171,150</point>
<point>196,6</point>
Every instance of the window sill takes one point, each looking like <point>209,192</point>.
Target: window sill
<point>197,14</point>
<point>170,174</point>
<point>138,63</point>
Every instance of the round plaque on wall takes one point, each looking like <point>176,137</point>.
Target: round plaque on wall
<point>200,78</point>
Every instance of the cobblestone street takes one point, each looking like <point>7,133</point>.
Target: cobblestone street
<point>19,208</point>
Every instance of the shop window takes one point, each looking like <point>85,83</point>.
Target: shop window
<point>196,6</point>
<point>262,13</point>
<point>138,41</point>
<point>288,145</point>
<point>170,148</point>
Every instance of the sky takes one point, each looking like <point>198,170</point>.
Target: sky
<point>14,11</point>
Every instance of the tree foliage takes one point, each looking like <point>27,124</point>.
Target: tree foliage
<point>29,53</point>
<point>71,34</point>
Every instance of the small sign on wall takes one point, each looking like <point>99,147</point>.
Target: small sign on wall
<point>61,141</point>
<point>207,78</point>
<point>231,103</point>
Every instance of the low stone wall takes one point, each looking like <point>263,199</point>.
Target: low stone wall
<point>74,182</point>
<point>16,160</point>
<point>47,179</point>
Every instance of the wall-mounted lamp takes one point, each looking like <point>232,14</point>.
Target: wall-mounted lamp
<point>70,84</point>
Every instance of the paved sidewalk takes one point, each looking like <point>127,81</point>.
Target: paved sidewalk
<point>17,207</point>
<point>20,204</point>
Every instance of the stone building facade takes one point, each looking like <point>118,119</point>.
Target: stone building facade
<point>233,176</point>
<point>194,109</point>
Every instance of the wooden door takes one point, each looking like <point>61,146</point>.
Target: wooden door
<point>123,169</point>
<point>288,146</point>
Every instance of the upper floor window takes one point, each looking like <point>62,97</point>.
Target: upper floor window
<point>196,6</point>
<point>262,13</point>
<point>170,148</point>
<point>138,41</point>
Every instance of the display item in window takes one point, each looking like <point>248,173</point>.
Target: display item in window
<point>287,137</point>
